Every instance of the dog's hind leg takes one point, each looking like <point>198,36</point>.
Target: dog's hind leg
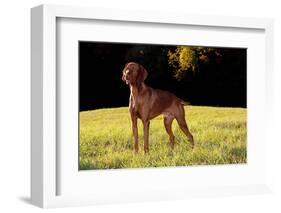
<point>183,125</point>
<point>168,120</point>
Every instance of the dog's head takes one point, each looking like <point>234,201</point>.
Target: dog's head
<point>134,73</point>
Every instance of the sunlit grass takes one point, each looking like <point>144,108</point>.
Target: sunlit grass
<point>106,140</point>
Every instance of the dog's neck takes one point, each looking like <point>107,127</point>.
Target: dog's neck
<point>136,89</point>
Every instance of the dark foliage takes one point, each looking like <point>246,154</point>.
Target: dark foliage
<point>220,82</point>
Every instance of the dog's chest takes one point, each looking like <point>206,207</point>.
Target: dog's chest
<point>137,104</point>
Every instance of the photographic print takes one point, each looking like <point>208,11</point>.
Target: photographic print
<point>148,105</point>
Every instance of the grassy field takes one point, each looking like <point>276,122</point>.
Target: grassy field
<point>106,140</point>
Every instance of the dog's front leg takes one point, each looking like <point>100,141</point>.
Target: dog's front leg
<point>145,135</point>
<point>135,132</point>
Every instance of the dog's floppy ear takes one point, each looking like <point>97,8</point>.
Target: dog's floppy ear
<point>142,74</point>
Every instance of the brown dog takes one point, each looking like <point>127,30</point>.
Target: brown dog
<point>146,103</point>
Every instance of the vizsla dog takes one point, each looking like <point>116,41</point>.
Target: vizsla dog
<point>146,103</point>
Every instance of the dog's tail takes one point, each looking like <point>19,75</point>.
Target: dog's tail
<point>182,102</point>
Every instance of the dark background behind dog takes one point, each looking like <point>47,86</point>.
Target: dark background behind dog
<point>220,82</point>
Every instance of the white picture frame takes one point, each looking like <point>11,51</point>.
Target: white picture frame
<point>44,154</point>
